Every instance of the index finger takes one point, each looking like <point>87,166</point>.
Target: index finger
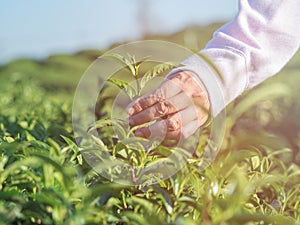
<point>166,90</point>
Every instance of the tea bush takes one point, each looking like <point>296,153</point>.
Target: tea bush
<point>45,179</point>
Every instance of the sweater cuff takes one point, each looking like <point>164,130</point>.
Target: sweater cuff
<point>208,80</point>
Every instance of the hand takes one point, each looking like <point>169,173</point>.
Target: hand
<point>179,106</point>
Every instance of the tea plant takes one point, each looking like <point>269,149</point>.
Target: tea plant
<point>45,179</point>
<point>231,188</point>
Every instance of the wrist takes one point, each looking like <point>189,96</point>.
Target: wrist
<point>193,86</point>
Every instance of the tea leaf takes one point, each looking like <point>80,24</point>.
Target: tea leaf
<point>155,71</point>
<point>130,91</point>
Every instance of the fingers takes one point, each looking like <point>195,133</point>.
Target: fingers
<point>190,128</point>
<point>165,91</point>
<point>142,103</point>
<point>173,138</point>
<point>160,109</point>
<point>179,106</point>
<point>181,124</point>
<point>167,129</point>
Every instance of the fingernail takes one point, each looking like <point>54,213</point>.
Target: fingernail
<point>130,111</point>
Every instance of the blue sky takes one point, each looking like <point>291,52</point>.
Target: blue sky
<point>37,28</point>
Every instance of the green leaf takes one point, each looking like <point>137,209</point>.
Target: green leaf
<point>190,201</point>
<point>40,145</point>
<point>130,91</point>
<point>136,219</point>
<point>117,124</point>
<point>155,71</point>
<point>124,61</point>
<point>245,218</point>
<point>165,197</point>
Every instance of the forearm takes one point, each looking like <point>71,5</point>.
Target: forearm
<point>254,46</point>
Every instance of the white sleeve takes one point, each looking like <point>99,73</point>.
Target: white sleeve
<point>259,41</point>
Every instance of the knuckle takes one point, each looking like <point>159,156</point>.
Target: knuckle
<point>173,124</point>
<point>142,103</point>
<point>160,93</point>
<point>137,107</point>
<point>161,108</point>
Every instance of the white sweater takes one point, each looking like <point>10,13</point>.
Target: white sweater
<point>259,41</point>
